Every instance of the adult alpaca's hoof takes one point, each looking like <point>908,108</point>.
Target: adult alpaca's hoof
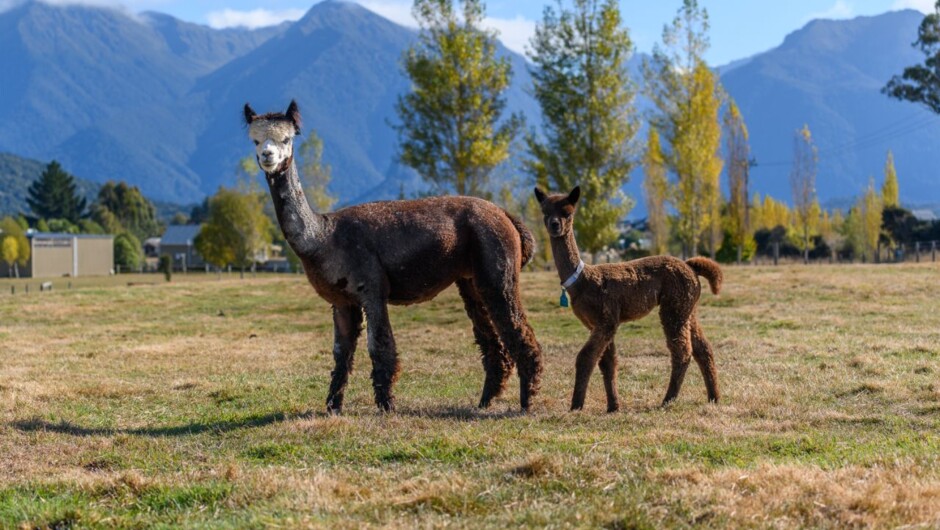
<point>386,405</point>
<point>334,406</point>
<point>613,408</point>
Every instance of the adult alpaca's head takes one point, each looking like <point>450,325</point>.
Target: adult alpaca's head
<point>273,135</point>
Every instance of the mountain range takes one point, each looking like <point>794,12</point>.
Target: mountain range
<point>156,101</point>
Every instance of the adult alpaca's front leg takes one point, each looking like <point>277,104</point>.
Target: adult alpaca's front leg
<point>383,354</point>
<point>347,326</point>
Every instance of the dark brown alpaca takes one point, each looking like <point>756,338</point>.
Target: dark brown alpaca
<point>362,258</point>
<point>604,296</point>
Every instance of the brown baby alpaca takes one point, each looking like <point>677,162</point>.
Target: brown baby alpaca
<point>364,257</point>
<point>604,296</point>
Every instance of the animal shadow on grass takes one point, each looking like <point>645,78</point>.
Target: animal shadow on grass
<point>247,422</point>
<point>466,414</point>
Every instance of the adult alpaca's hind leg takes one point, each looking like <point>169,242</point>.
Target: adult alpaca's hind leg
<point>496,360</point>
<point>677,328</point>
<point>499,289</point>
<point>347,326</point>
<point>383,354</point>
<point>702,351</point>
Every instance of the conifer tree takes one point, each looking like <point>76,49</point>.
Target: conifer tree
<point>54,195</point>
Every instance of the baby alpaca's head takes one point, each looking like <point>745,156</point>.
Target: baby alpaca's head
<point>558,210</point>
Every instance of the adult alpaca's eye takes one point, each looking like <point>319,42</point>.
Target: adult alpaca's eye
<point>257,142</point>
<point>286,141</point>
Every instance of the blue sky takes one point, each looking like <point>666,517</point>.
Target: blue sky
<point>740,28</point>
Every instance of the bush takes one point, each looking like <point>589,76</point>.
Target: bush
<point>128,253</point>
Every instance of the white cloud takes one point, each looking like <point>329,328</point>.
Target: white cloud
<point>924,6</point>
<point>841,9</point>
<point>514,32</point>
<point>256,18</point>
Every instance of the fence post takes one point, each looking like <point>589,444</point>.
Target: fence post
<point>27,288</point>
<point>776,252</point>
<point>933,250</point>
<point>917,252</point>
<point>12,289</point>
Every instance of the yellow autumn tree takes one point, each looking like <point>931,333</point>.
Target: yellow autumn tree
<point>889,191</point>
<point>870,209</point>
<point>688,98</point>
<point>656,190</point>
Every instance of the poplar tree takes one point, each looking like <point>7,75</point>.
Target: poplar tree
<point>889,190</point>
<point>803,183</point>
<point>687,98</point>
<point>656,189</point>
<point>579,58</point>
<point>870,208</point>
<point>737,153</point>
<point>921,83</point>
<point>451,129</point>
<point>314,174</point>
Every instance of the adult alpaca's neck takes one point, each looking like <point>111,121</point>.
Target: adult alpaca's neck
<point>566,254</point>
<point>303,228</point>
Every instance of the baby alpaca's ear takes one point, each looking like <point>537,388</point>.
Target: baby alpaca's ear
<point>574,195</point>
<point>539,195</point>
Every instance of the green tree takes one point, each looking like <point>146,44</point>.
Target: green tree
<point>921,83</point>
<point>688,98</point>
<point>737,153</point>
<point>889,191</point>
<point>54,195</point>
<point>589,121</point>
<point>128,206</point>
<point>451,131</point>
<point>128,253</point>
<point>236,230</point>
<point>11,229</point>
<point>656,190</point>
<point>314,174</point>
<point>803,183</point>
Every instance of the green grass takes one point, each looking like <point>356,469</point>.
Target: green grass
<point>200,404</point>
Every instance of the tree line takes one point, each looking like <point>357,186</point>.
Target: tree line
<point>453,132</point>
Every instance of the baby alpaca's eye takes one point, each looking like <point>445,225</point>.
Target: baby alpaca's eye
<point>257,142</point>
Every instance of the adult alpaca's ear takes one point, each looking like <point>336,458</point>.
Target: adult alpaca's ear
<point>250,114</point>
<point>574,195</point>
<point>293,114</point>
<point>539,195</point>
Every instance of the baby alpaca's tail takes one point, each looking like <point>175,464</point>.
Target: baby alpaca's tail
<point>709,270</point>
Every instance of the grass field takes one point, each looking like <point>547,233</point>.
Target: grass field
<point>200,404</point>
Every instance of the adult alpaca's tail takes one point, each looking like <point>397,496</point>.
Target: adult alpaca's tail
<point>709,270</point>
<point>525,237</point>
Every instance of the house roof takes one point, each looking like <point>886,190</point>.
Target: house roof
<point>924,215</point>
<point>60,235</point>
<point>184,235</point>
